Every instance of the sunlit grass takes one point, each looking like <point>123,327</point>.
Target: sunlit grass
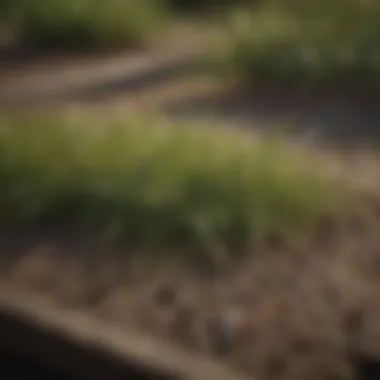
<point>154,183</point>
<point>303,42</point>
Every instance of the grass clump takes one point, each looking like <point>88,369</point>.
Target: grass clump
<point>82,23</point>
<point>304,42</point>
<point>161,185</point>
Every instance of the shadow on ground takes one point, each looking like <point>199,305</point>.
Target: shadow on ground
<point>322,116</point>
<point>19,368</point>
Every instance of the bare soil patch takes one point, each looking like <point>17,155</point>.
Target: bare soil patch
<point>50,75</point>
<point>295,308</point>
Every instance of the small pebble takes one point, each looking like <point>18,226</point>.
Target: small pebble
<point>223,330</point>
<point>165,296</point>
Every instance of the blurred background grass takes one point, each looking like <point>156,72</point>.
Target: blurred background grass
<point>303,42</point>
<point>83,23</point>
<point>206,188</point>
<point>260,40</point>
<point>155,183</point>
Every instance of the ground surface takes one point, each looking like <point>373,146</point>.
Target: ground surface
<point>158,79</point>
<point>302,308</point>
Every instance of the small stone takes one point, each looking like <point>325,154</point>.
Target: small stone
<point>224,329</point>
<point>165,296</point>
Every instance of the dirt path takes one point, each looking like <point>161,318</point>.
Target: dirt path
<point>41,81</point>
<point>158,79</point>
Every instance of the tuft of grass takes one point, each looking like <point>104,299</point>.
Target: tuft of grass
<point>155,183</point>
<point>303,42</point>
<point>82,23</point>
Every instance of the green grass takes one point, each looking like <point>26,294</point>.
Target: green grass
<point>303,42</point>
<point>82,23</point>
<point>154,183</point>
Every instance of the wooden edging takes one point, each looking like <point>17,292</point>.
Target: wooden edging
<point>83,347</point>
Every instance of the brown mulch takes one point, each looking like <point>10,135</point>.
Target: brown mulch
<point>296,308</point>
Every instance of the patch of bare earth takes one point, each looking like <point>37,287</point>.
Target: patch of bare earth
<point>74,77</point>
<point>300,307</point>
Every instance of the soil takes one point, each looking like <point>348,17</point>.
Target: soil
<point>297,308</point>
<point>300,307</point>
